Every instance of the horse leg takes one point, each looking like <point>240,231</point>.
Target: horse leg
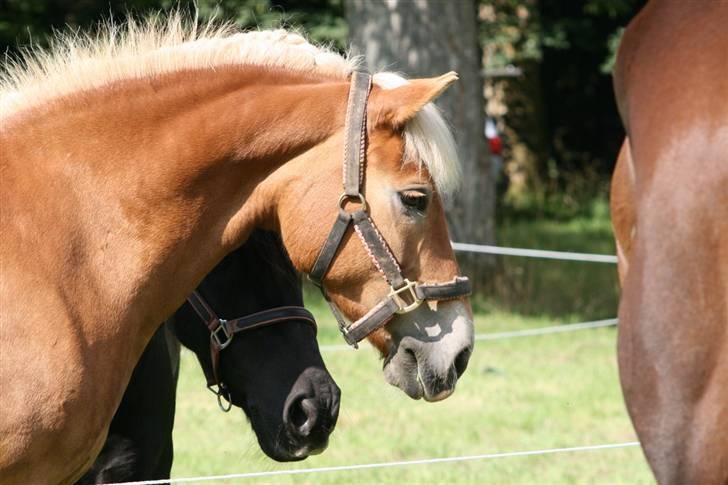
<point>166,455</point>
<point>673,335</point>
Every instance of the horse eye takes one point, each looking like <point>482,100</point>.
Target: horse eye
<point>414,200</point>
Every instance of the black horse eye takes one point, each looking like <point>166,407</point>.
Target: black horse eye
<point>414,200</point>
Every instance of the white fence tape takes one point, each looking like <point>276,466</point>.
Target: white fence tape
<point>364,466</point>
<point>534,253</point>
<point>529,332</point>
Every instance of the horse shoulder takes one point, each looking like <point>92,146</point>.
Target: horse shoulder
<point>48,418</point>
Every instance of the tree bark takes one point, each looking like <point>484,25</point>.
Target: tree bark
<point>425,38</point>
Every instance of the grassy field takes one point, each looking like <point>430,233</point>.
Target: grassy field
<point>529,393</point>
<point>560,289</point>
<point>519,394</point>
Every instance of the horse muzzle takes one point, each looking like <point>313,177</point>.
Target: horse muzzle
<point>427,362</point>
<point>310,413</point>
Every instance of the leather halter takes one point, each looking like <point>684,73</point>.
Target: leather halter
<point>222,332</point>
<point>404,295</point>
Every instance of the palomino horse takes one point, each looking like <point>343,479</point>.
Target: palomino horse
<point>132,162</point>
<point>273,372</point>
<point>670,214</point>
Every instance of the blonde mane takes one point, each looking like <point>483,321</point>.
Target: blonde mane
<point>159,45</point>
<point>78,62</point>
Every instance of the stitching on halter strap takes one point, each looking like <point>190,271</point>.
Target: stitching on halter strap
<point>384,245</point>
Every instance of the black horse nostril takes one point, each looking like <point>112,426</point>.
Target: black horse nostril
<point>297,417</point>
<point>309,414</point>
<point>461,361</point>
<point>302,417</point>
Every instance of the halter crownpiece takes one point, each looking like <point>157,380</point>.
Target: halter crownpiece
<point>222,332</point>
<point>404,295</point>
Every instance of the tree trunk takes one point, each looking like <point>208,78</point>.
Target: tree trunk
<point>425,38</point>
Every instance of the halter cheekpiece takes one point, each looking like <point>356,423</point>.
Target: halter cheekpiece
<point>404,295</point>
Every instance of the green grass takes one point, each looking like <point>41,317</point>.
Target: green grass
<point>559,289</point>
<point>519,394</point>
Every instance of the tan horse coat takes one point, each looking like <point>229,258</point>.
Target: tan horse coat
<point>117,199</point>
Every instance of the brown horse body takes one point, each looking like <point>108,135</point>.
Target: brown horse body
<point>117,200</point>
<point>670,214</point>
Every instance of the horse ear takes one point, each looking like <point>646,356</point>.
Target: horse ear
<point>395,107</point>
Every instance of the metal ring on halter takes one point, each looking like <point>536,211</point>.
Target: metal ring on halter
<point>344,197</point>
<point>223,394</point>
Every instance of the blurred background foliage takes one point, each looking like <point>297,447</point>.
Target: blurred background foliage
<point>26,21</point>
<point>558,120</point>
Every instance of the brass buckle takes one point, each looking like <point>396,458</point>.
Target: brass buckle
<point>344,197</point>
<point>228,337</point>
<point>404,306</point>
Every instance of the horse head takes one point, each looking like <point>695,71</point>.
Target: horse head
<point>406,164</point>
<point>273,372</point>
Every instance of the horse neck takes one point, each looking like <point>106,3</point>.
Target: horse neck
<point>164,171</point>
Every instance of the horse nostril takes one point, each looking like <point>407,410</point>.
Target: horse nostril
<point>297,417</point>
<point>302,416</point>
<point>309,413</point>
<point>461,361</point>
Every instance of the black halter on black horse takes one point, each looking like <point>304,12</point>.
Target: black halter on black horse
<point>222,332</point>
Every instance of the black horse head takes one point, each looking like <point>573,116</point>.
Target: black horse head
<point>274,373</point>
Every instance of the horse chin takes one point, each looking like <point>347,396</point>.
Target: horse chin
<point>294,452</point>
<point>279,447</point>
<point>408,377</point>
<point>271,442</point>
<point>283,455</point>
<point>400,370</point>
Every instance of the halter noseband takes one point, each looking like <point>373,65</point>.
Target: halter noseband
<point>222,332</point>
<point>404,295</point>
